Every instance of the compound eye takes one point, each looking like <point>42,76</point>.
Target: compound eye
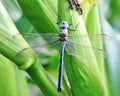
<point>63,25</point>
<point>64,22</point>
<point>63,28</point>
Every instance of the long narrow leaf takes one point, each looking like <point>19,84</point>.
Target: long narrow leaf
<point>83,76</point>
<point>14,47</point>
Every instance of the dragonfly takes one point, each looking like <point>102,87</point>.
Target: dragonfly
<point>64,42</point>
<point>75,3</point>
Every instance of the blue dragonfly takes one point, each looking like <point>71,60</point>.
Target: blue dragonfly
<point>65,41</point>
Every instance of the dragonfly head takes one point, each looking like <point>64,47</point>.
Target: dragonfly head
<point>63,25</point>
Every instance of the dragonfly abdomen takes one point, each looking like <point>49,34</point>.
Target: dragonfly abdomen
<point>61,66</point>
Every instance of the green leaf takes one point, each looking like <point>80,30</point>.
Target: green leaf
<point>94,27</point>
<point>86,76</point>
<point>17,50</point>
<point>113,13</point>
<point>83,74</point>
<point>12,80</point>
<point>87,5</point>
<point>39,15</point>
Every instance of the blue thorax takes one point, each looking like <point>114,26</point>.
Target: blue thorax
<point>63,26</point>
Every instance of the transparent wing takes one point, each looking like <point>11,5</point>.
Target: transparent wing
<point>95,38</point>
<point>41,51</point>
<point>42,43</point>
<point>40,39</point>
<point>85,52</point>
<point>38,42</point>
<point>47,48</point>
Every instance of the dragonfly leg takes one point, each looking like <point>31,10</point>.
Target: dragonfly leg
<point>58,22</point>
<point>71,29</point>
<point>70,24</point>
<point>77,25</point>
<point>71,20</point>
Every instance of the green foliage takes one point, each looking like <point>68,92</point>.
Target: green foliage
<point>81,75</point>
<point>113,14</point>
<point>12,80</point>
<point>11,45</point>
<point>86,77</point>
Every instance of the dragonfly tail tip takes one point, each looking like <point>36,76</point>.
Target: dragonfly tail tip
<point>59,89</point>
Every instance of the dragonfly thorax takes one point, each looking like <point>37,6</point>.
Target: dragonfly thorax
<point>63,36</point>
<point>63,25</point>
